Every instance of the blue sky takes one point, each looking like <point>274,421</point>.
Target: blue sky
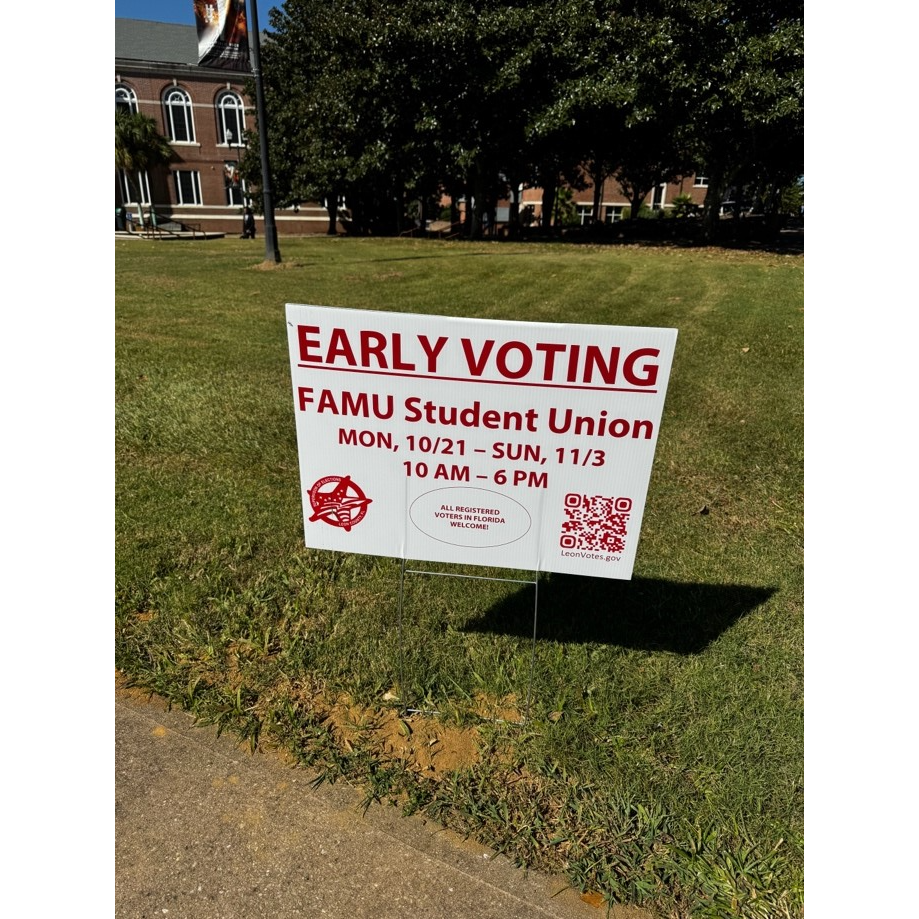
<point>181,11</point>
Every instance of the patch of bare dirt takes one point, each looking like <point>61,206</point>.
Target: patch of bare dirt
<point>131,692</point>
<point>268,265</point>
<point>422,743</point>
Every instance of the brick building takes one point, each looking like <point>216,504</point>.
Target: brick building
<point>614,206</point>
<point>203,112</point>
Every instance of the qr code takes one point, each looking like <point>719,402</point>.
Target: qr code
<point>595,522</point>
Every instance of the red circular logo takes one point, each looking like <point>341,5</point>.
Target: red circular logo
<point>338,501</point>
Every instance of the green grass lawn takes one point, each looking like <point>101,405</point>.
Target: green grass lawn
<point>662,760</point>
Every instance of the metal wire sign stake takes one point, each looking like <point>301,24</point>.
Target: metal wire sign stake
<point>402,684</point>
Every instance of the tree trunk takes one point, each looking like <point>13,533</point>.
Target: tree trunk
<point>635,201</point>
<point>548,203</point>
<point>332,207</point>
<point>513,215</point>
<point>134,186</point>
<point>478,204</point>
<point>467,211</point>
<point>598,177</point>
<point>711,207</point>
<point>423,216</point>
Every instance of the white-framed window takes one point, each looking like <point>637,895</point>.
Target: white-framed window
<point>700,182</point>
<point>188,186</point>
<point>233,183</point>
<point>657,199</point>
<point>180,126</point>
<point>585,214</point>
<point>125,99</point>
<point>236,196</point>
<point>231,119</point>
<point>131,186</point>
<point>614,212</point>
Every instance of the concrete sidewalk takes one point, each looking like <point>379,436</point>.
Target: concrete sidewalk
<point>205,830</point>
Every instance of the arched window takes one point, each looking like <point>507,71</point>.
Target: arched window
<point>231,122</point>
<point>177,108</point>
<point>231,119</point>
<point>125,99</point>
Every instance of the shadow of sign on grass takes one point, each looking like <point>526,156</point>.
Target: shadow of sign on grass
<point>643,614</point>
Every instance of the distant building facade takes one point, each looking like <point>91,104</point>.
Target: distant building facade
<point>614,205</point>
<point>203,113</point>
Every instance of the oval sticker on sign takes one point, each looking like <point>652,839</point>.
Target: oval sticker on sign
<point>473,517</point>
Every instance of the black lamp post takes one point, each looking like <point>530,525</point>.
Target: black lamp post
<point>272,253</point>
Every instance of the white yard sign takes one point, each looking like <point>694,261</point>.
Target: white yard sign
<point>511,444</point>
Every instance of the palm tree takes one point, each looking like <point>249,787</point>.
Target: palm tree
<point>139,145</point>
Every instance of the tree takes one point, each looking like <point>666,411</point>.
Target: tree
<point>352,88</point>
<point>746,69</point>
<point>139,146</point>
<point>650,146</point>
<point>511,128</point>
<point>390,103</point>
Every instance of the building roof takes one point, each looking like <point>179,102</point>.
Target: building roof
<point>156,42</point>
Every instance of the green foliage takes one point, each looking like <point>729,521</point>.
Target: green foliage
<point>644,212</point>
<point>749,126</point>
<point>792,199</point>
<point>566,212</point>
<point>662,762</point>
<point>138,144</point>
<point>684,206</point>
<point>392,101</point>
